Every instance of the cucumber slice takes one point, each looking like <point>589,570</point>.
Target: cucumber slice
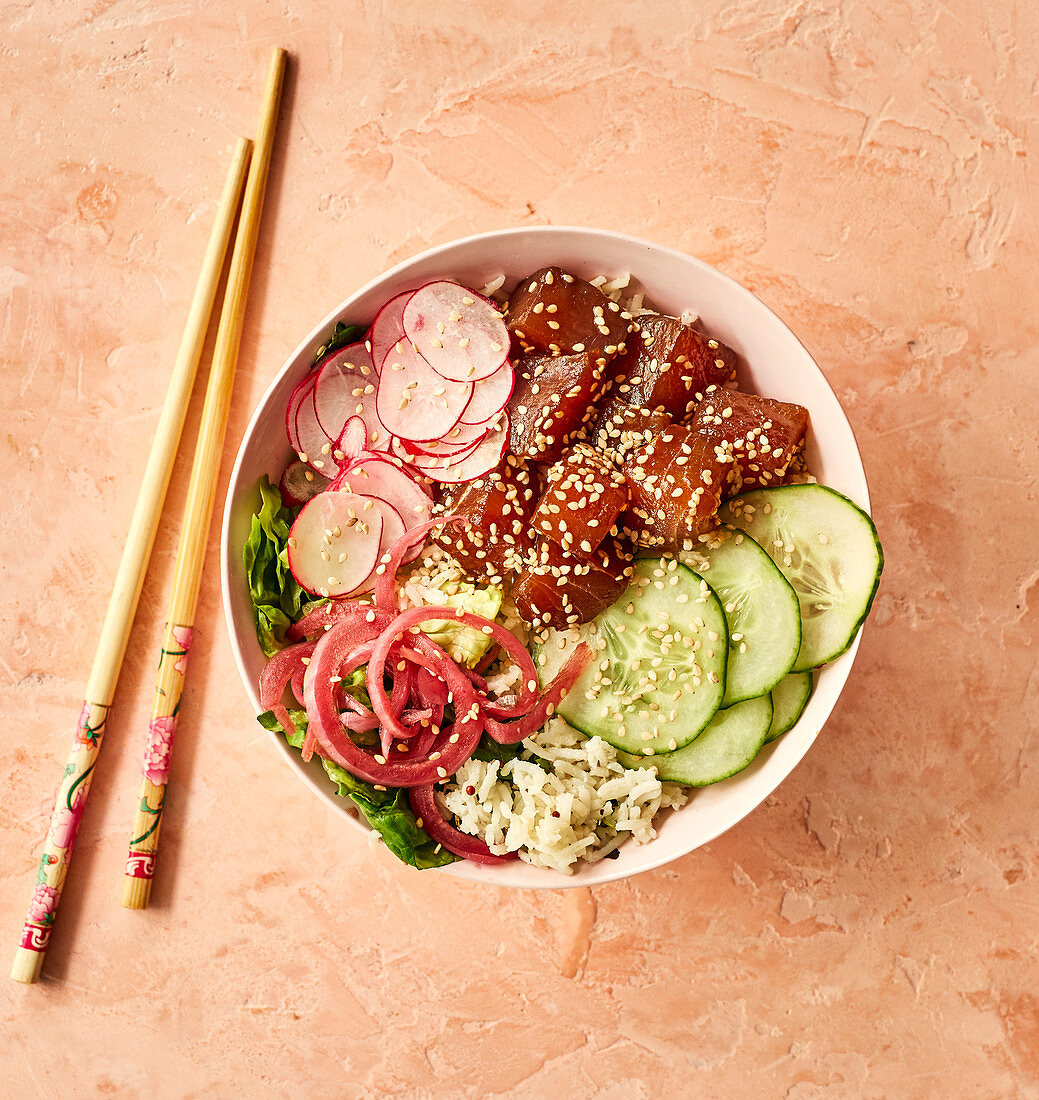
<point>658,675</point>
<point>827,548</point>
<point>760,607</point>
<point>789,699</point>
<point>727,746</point>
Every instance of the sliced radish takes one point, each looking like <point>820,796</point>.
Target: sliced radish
<point>461,437</point>
<point>422,464</point>
<point>481,461</point>
<point>392,530</point>
<point>425,465</point>
<point>352,441</point>
<point>315,448</point>
<point>299,484</point>
<point>332,550</point>
<point>415,402</point>
<point>393,527</point>
<point>461,335</point>
<point>387,328</point>
<point>341,393</point>
<point>344,378</point>
<point>384,478</point>
<point>305,385</point>
<point>490,396</point>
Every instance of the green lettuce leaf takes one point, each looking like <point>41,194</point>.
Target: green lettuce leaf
<point>342,336</point>
<point>277,599</point>
<point>388,812</point>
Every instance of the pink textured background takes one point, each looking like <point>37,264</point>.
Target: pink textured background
<point>870,931</point>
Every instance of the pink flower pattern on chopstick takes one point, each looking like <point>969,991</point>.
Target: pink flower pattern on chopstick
<point>160,749</point>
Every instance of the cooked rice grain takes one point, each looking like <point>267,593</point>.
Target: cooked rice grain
<point>584,806</point>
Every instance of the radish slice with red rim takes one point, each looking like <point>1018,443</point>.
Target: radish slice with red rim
<point>461,437</point>
<point>481,461</point>
<point>304,386</point>
<point>381,477</point>
<point>444,455</point>
<point>315,448</point>
<point>415,402</point>
<point>387,328</point>
<point>393,527</point>
<point>352,441</point>
<point>490,396</point>
<point>341,394</point>
<point>345,378</point>
<point>334,543</point>
<point>424,463</point>
<point>460,334</point>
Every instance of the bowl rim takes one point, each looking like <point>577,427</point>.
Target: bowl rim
<point>463,868</point>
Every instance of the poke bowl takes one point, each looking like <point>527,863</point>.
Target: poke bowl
<point>766,359</point>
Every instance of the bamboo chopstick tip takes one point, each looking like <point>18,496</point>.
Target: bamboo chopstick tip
<point>136,892</point>
<point>27,965</point>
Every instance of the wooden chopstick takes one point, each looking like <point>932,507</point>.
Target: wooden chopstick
<point>198,511</point>
<point>71,797</point>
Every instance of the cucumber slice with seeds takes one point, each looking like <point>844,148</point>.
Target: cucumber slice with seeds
<point>789,699</point>
<point>727,746</point>
<point>658,675</point>
<point>827,548</point>
<point>760,607</point>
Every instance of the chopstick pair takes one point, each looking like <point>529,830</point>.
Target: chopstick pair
<point>71,797</point>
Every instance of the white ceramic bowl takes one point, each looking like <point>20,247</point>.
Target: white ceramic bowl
<point>778,366</point>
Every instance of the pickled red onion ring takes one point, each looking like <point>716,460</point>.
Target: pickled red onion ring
<point>424,806</point>
<point>283,667</point>
<point>527,692</point>
<point>508,733</point>
<point>385,594</point>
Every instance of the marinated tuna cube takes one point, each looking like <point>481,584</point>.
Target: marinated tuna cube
<point>553,399</point>
<point>551,311</point>
<point>556,589</point>
<point>620,427</point>
<point>500,507</point>
<point>669,366</point>
<point>615,555</point>
<point>675,484</point>
<point>760,435</point>
<point>583,497</point>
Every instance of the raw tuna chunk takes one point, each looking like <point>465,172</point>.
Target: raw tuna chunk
<point>615,555</point>
<point>551,311</point>
<point>553,399</point>
<point>582,499</point>
<point>675,484</point>
<point>761,436</point>
<point>669,366</point>
<point>555,589</point>
<point>500,507</point>
<point>619,428</point>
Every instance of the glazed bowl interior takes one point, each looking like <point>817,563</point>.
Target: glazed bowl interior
<point>775,364</point>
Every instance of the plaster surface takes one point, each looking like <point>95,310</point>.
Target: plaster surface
<point>866,169</point>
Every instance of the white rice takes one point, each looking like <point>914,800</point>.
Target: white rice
<point>584,806</point>
<point>423,583</point>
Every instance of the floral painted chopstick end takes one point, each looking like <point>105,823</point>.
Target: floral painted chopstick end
<point>144,842</point>
<point>69,804</point>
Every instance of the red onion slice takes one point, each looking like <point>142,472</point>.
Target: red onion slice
<point>508,733</point>
<point>424,805</point>
<point>284,666</point>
